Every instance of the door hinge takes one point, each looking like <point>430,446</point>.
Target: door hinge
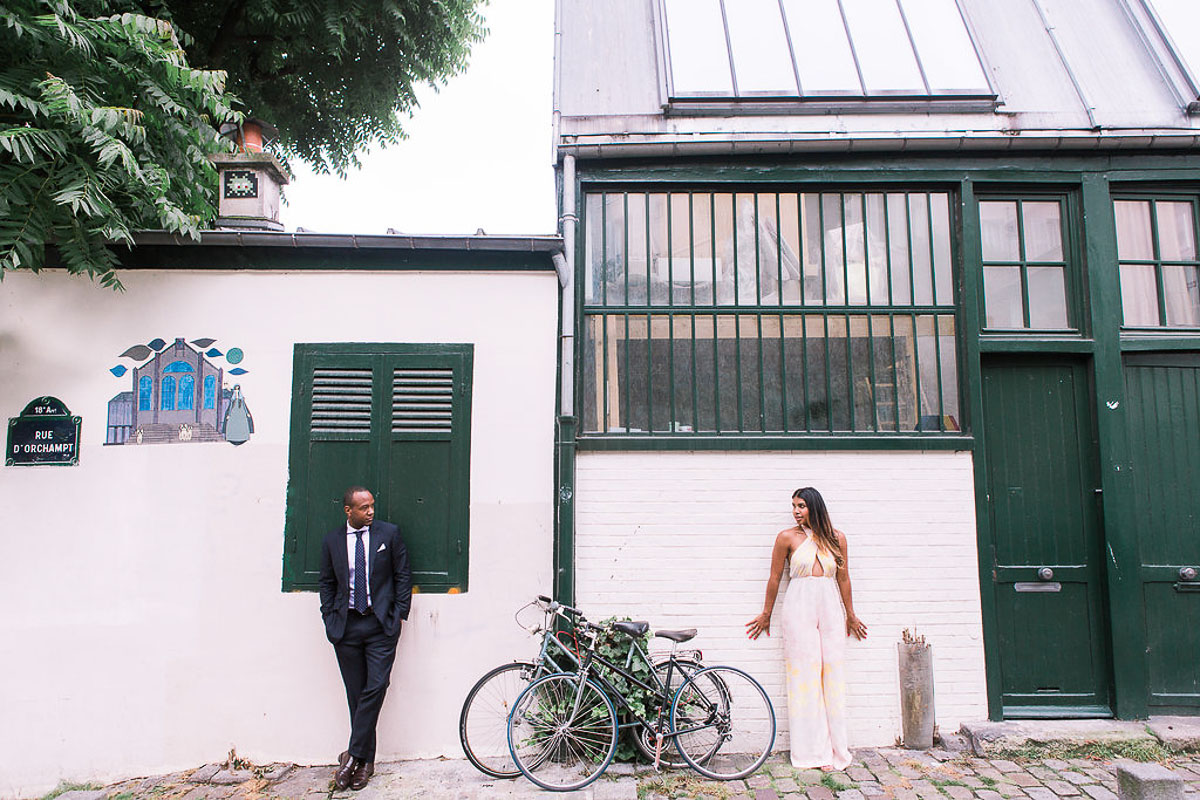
<point>458,544</point>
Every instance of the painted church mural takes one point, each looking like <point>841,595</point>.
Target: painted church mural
<point>178,394</point>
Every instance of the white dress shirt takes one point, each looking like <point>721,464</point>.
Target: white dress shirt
<point>351,541</point>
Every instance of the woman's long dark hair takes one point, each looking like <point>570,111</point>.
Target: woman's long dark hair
<point>819,521</point>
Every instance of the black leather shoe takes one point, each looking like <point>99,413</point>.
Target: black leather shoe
<point>343,758</point>
<point>345,773</point>
<point>362,774</point>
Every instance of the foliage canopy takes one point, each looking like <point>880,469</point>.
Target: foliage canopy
<point>104,129</point>
<point>107,120</point>
<point>333,76</point>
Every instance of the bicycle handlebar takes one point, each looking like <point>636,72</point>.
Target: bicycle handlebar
<point>554,605</point>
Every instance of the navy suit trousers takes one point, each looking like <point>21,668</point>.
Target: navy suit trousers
<point>365,655</point>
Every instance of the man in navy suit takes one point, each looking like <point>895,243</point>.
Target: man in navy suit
<point>366,591</point>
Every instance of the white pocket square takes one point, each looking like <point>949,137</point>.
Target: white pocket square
<point>382,547</point>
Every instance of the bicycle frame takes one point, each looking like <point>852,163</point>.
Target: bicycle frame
<point>661,689</point>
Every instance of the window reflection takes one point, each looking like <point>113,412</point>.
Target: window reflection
<point>1139,295</point>
<point>1024,265</point>
<point>1153,237</point>
<point>1181,291</point>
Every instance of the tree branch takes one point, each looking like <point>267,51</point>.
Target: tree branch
<point>221,39</point>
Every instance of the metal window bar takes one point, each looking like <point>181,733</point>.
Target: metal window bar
<point>1021,254</point>
<point>673,419</point>
<point>1156,245</point>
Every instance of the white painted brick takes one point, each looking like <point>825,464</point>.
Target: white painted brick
<point>684,540</point>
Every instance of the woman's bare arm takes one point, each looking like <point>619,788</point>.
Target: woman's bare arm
<point>762,623</point>
<point>854,626</point>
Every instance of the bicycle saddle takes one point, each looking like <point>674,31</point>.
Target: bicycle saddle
<point>632,628</point>
<point>677,636</point>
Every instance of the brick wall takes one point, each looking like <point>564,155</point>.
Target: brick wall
<point>684,540</point>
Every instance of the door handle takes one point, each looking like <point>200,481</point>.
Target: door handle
<point>1187,573</point>
<point>1045,586</point>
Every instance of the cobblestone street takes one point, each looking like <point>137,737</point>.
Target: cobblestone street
<point>888,773</point>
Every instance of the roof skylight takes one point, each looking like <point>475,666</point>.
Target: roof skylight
<point>821,49</point>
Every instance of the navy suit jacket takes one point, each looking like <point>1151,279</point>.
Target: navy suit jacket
<point>390,579</point>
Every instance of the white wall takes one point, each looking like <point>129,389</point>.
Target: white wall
<point>144,629</point>
<point>684,540</point>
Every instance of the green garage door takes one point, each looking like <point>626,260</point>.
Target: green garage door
<point>1040,454</point>
<point>1162,392</point>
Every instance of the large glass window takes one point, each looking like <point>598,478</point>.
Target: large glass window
<point>1160,272</point>
<point>1025,276</point>
<point>187,393</point>
<point>167,394</point>
<point>145,392</point>
<point>768,312</point>
<point>812,49</point>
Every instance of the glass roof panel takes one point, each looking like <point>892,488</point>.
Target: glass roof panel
<point>699,57</point>
<point>823,55</point>
<point>881,43</point>
<point>837,48</point>
<point>947,54</point>
<point>761,59</point>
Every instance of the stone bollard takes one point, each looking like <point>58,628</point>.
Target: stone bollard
<point>916,691</point>
<point>1136,781</point>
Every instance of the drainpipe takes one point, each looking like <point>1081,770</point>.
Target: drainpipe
<point>564,264</point>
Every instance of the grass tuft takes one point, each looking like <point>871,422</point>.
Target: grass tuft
<point>66,786</point>
<point>834,785</point>
<point>681,786</point>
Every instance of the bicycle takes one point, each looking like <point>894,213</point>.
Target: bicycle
<point>563,728</point>
<point>483,721</point>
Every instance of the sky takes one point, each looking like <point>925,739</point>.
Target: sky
<point>478,153</point>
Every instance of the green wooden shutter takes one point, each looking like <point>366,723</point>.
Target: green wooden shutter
<point>396,419</point>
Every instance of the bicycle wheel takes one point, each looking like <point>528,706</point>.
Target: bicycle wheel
<point>723,722</point>
<point>483,723</point>
<point>644,738</point>
<point>562,733</point>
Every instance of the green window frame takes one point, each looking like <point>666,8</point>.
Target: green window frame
<point>1029,269</point>
<point>1158,260</point>
<point>756,312</point>
<point>395,418</point>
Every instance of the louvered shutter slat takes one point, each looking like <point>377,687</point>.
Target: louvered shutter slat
<point>341,401</point>
<point>422,400</point>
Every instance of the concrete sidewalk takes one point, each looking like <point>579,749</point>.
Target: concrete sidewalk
<point>876,774</point>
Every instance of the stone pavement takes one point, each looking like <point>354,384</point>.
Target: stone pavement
<point>1029,773</point>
